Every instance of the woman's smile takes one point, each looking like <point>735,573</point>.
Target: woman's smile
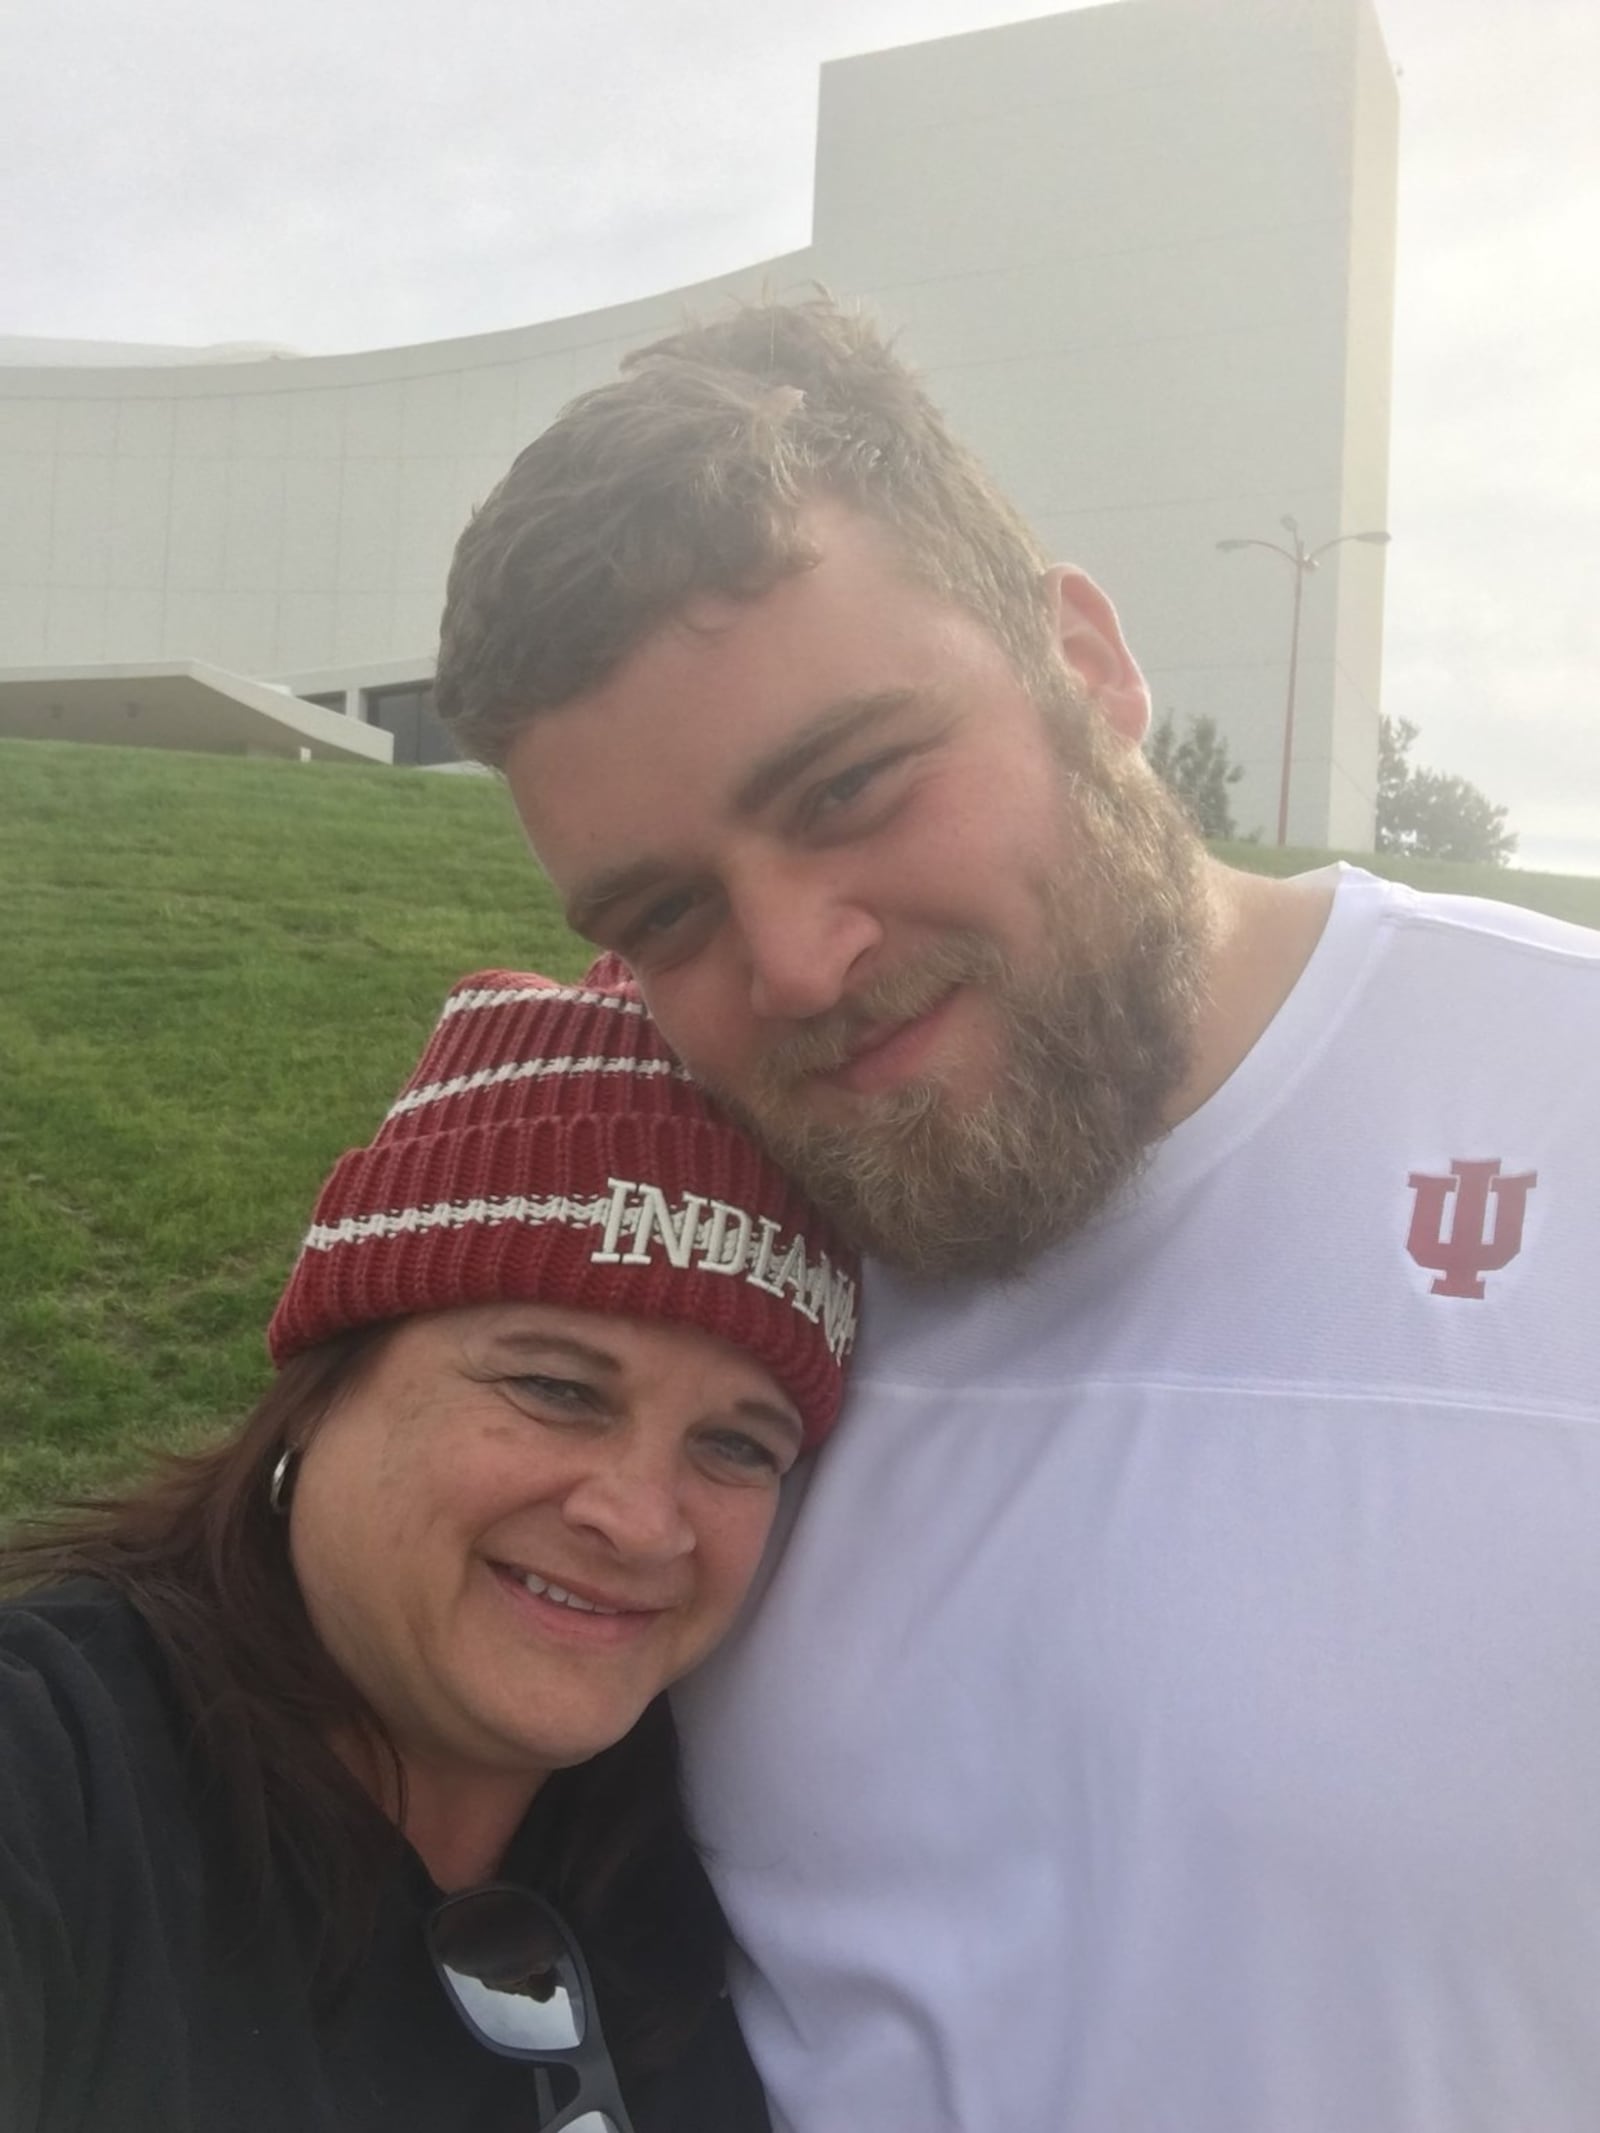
<point>565,1614</point>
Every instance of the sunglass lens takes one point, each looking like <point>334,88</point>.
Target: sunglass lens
<point>506,1961</point>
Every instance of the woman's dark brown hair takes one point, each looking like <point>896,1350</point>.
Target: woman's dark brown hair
<point>199,1553</point>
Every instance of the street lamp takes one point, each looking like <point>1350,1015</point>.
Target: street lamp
<point>1302,561</point>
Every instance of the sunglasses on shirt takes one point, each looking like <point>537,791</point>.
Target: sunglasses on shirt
<point>518,1980</point>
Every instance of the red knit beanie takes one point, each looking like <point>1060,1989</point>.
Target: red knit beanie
<point>550,1148</point>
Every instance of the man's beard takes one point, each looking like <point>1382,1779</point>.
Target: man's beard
<point>1094,1044</point>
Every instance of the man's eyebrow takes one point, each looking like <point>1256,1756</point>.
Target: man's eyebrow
<point>845,720</point>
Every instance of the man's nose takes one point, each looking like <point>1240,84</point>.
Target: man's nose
<point>806,941</point>
<point>634,1505</point>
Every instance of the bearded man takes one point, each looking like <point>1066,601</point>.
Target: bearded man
<point>1177,1704</point>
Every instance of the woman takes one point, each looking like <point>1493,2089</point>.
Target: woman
<point>550,1345</point>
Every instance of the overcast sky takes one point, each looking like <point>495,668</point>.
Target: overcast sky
<point>382,171</point>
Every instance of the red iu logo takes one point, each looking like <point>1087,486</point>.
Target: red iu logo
<point>1471,1250</point>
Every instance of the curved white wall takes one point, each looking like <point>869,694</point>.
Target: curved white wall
<point>279,516</point>
<point>1142,252</point>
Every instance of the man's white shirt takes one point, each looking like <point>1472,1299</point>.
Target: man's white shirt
<point>1176,1705</point>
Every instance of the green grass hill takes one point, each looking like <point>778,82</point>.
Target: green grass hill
<point>213,976</point>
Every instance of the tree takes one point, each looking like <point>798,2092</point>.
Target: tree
<point>1198,770</point>
<point>1426,814</point>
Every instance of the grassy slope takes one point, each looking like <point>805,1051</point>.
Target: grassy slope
<point>213,976</point>
<point>1575,897</point>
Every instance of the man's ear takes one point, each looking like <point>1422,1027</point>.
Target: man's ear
<point>1092,644</point>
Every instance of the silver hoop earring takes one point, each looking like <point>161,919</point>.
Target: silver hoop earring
<point>281,1487</point>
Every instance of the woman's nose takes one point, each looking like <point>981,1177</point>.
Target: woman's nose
<point>636,1507</point>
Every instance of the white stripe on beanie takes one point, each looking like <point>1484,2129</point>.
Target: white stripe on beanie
<point>457,1214</point>
<point>434,1092</point>
<point>465,1003</point>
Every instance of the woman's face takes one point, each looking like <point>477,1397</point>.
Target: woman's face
<point>524,1521</point>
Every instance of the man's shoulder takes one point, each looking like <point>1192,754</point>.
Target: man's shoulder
<point>1471,919</point>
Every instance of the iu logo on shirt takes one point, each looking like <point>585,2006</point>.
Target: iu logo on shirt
<point>1471,1249</point>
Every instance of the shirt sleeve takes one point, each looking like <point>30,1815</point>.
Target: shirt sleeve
<point>43,1872</point>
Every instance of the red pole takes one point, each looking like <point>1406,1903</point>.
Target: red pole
<point>1301,566</point>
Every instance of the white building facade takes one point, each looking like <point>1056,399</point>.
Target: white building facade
<point>1141,253</point>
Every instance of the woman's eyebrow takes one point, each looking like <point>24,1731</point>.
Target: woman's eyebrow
<point>771,1411</point>
<point>531,1346</point>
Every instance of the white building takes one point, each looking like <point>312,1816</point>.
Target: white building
<point>1143,254</point>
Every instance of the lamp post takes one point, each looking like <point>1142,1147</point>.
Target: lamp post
<point>1302,561</point>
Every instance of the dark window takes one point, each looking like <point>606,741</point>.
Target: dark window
<point>407,713</point>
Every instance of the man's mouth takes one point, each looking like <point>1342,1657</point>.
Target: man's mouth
<point>875,1040</point>
<point>888,1054</point>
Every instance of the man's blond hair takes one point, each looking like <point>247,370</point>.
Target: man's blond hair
<point>689,475</point>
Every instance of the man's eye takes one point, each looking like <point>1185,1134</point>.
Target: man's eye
<point>659,918</point>
<point>837,795</point>
<point>839,791</point>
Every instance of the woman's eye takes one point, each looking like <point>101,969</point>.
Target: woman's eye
<point>736,1451</point>
<point>569,1395</point>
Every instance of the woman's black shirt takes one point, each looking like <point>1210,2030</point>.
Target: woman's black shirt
<point>137,1995</point>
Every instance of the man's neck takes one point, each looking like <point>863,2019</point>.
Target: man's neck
<point>1261,935</point>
